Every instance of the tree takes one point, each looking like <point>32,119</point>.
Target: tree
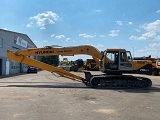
<point>51,60</point>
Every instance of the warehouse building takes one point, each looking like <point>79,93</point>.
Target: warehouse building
<point>12,41</point>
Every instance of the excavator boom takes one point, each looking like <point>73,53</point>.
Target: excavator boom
<point>63,51</point>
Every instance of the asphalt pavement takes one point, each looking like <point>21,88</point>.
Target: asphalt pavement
<point>46,96</point>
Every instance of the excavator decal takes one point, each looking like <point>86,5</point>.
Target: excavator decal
<point>43,52</point>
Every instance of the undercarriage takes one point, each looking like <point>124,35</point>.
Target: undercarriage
<point>116,81</point>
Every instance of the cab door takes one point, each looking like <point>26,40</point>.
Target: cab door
<point>111,61</point>
<point>125,61</point>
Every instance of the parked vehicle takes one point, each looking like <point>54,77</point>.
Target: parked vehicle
<point>31,69</point>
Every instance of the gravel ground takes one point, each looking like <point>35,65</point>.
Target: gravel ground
<point>44,96</point>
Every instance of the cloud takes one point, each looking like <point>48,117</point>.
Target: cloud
<point>137,30</point>
<point>147,51</point>
<point>4,28</point>
<point>99,45</point>
<point>74,41</point>
<point>148,35</point>
<point>43,19</point>
<point>86,36</point>
<point>155,44</point>
<point>157,38</point>
<point>154,26</point>
<point>36,41</point>
<point>114,33</point>
<point>45,41</point>
<point>96,46</point>
<point>59,36</point>
<point>130,23</point>
<point>52,35</point>
<point>101,36</point>
<point>67,39</point>
<point>29,25</point>
<point>158,11</point>
<point>97,10</point>
<point>119,22</point>
<point>151,31</point>
<point>42,28</point>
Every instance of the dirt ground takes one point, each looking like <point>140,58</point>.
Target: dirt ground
<point>45,96</point>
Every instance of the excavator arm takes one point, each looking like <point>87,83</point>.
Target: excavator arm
<point>31,62</point>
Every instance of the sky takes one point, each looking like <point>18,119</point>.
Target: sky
<point>130,24</point>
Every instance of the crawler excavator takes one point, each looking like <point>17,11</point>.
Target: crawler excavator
<point>155,64</point>
<point>113,63</point>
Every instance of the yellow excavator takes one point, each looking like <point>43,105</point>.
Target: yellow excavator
<point>113,63</point>
<point>155,64</point>
<point>91,65</point>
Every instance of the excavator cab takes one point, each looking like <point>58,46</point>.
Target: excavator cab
<point>116,61</point>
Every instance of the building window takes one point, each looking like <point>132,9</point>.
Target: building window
<point>15,65</point>
<point>1,42</point>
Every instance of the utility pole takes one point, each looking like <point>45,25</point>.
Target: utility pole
<point>133,51</point>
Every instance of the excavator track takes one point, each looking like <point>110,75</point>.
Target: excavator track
<point>118,81</point>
